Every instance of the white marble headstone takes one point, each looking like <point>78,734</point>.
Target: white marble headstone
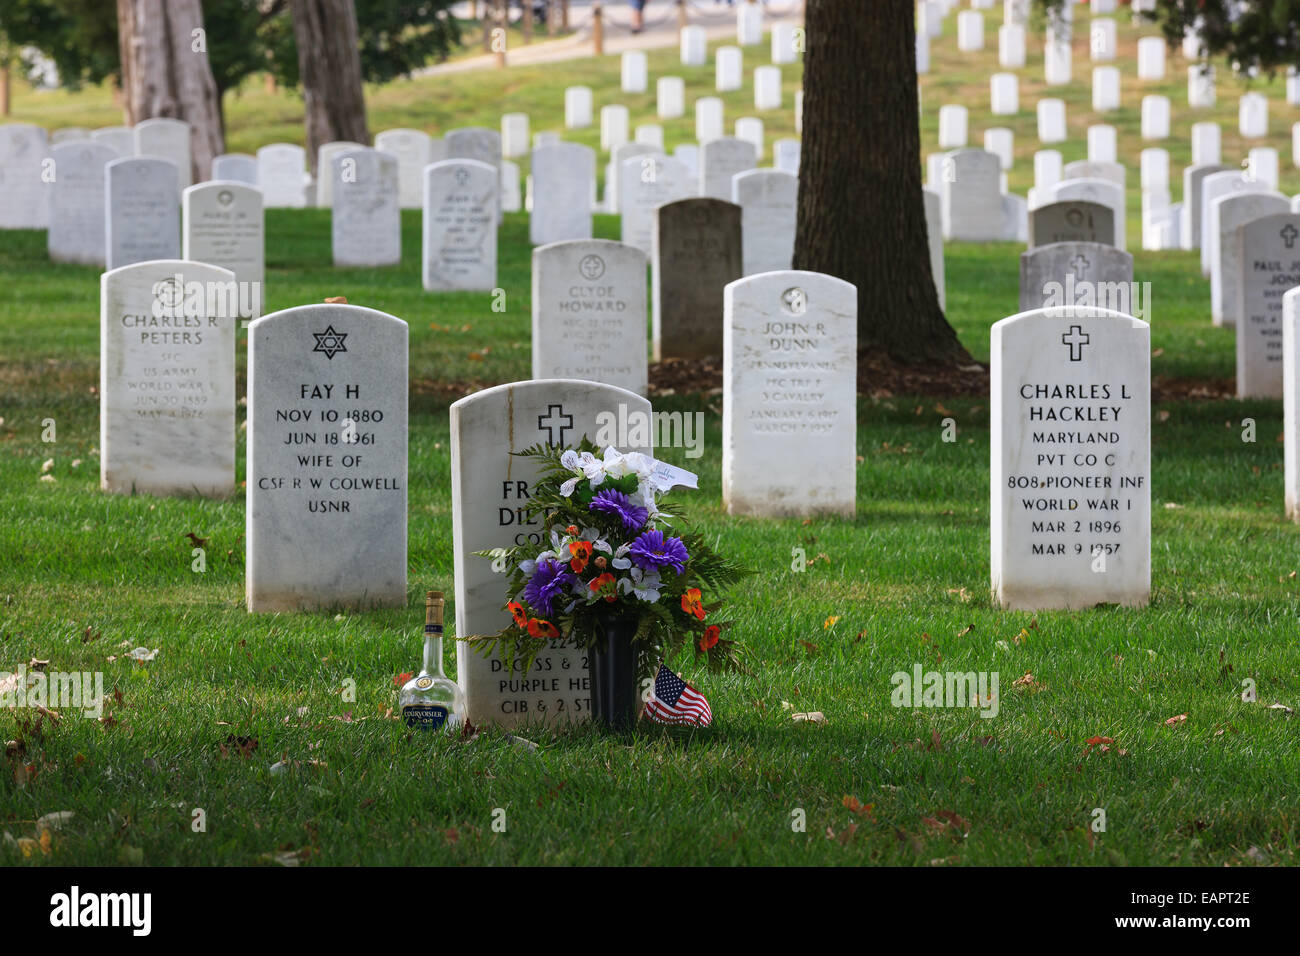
<point>459,250</point>
<point>167,379</point>
<point>789,396</point>
<point>1269,258</point>
<point>77,227</point>
<point>325,156</point>
<point>169,139</point>
<point>222,223</point>
<point>645,183</point>
<point>589,313</point>
<point>412,149</point>
<point>564,177</point>
<point>768,201</point>
<point>327,459</point>
<point>24,199</point>
<point>489,492</point>
<point>1230,211</point>
<point>280,171</point>
<point>720,160</point>
<point>235,168</point>
<point>1071,459</point>
<point>366,219</point>
<point>142,214</point>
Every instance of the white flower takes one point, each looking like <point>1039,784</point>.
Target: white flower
<point>620,562</point>
<point>528,566</point>
<point>584,464</point>
<point>644,584</point>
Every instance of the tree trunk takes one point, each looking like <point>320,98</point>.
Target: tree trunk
<point>165,72</point>
<point>861,211</point>
<point>329,68</point>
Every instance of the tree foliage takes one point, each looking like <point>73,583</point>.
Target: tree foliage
<point>1262,35</point>
<point>243,37</point>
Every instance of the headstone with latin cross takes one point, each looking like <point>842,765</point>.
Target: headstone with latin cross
<point>1269,265</point>
<point>490,488</point>
<point>1071,459</point>
<point>1073,273</point>
<point>1230,211</point>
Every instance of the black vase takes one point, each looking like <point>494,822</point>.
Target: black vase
<point>614,698</point>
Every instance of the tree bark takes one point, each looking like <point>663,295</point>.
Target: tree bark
<point>165,72</point>
<point>861,210</point>
<point>329,69</point>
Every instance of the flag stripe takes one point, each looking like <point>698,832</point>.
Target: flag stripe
<point>673,701</point>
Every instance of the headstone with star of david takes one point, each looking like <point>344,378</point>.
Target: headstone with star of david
<point>167,380</point>
<point>1269,257</point>
<point>142,211</point>
<point>1072,273</point>
<point>589,313</point>
<point>1070,422</point>
<point>696,249</point>
<point>327,459</point>
<point>366,219</point>
<point>223,223</point>
<point>1230,211</point>
<point>1071,221</point>
<point>77,228</point>
<point>459,246</point>
<point>789,395</point>
<point>490,488</point>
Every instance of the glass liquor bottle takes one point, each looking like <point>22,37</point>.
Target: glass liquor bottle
<point>430,701</point>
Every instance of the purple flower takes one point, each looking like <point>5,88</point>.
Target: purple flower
<point>616,503</point>
<point>653,550</point>
<point>549,581</point>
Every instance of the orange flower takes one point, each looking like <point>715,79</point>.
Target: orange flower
<point>691,603</point>
<point>710,637</point>
<point>604,586</point>
<point>539,628</point>
<point>581,551</point>
<point>517,612</point>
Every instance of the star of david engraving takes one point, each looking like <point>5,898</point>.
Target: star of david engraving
<point>330,342</point>
<point>554,420</point>
<point>1075,340</point>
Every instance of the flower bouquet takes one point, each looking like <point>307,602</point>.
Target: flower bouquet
<point>616,573</point>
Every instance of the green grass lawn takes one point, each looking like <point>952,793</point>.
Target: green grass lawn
<point>85,577</point>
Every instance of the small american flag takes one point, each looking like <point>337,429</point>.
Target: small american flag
<point>673,701</point>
